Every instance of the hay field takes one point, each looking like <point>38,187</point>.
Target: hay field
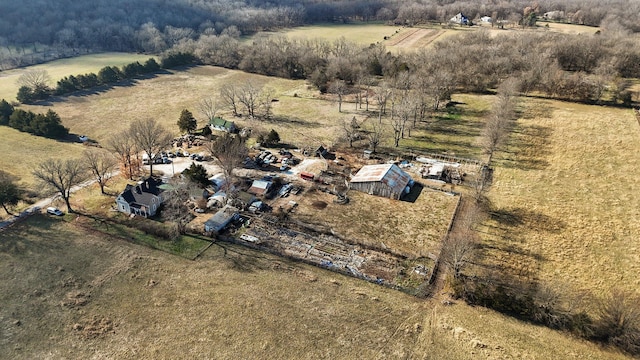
<point>363,33</point>
<point>565,192</point>
<point>68,293</point>
<point>64,67</point>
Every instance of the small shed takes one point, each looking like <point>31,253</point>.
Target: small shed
<point>220,220</point>
<point>260,187</point>
<point>386,180</point>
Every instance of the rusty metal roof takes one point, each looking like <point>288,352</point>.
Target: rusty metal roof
<point>389,174</point>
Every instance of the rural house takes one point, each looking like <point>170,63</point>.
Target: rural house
<point>221,219</point>
<point>220,124</point>
<point>386,180</point>
<point>460,19</point>
<point>142,199</point>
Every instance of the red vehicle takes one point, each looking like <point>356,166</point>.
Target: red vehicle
<point>307,176</point>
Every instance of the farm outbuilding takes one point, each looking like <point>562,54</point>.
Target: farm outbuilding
<point>386,180</point>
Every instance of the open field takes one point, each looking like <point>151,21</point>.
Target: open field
<point>566,199</point>
<point>64,67</point>
<point>364,33</point>
<point>68,293</point>
<point>22,152</point>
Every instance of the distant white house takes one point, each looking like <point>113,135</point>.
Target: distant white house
<point>460,19</point>
<point>486,19</point>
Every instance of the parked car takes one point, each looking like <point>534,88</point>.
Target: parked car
<point>54,211</point>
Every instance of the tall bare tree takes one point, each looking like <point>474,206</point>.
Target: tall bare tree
<point>381,95</point>
<point>229,95</point>
<point>123,145</point>
<point>502,114</point>
<point>351,130</point>
<point>339,88</point>
<point>229,151</point>
<point>61,176</point>
<point>37,80</point>
<point>209,108</point>
<point>249,97</point>
<point>374,135</point>
<point>102,165</point>
<point>150,137</point>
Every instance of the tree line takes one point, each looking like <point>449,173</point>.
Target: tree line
<point>34,85</point>
<point>47,125</point>
<point>43,31</point>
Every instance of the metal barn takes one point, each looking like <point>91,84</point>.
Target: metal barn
<point>386,180</point>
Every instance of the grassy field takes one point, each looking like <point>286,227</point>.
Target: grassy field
<point>566,199</point>
<point>64,67</point>
<point>69,293</point>
<point>22,152</point>
<point>364,33</point>
<point>412,228</point>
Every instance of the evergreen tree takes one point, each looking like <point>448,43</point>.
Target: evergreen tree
<point>187,123</point>
<point>6,110</point>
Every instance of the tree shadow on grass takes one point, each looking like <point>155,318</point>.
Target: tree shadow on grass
<point>520,217</point>
<point>295,121</point>
<point>242,259</point>
<point>527,148</point>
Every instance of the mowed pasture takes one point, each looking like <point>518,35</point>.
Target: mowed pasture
<point>565,198</point>
<point>64,67</point>
<point>69,293</point>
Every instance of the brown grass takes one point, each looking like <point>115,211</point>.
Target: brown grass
<point>68,293</point>
<point>566,198</point>
<point>415,229</point>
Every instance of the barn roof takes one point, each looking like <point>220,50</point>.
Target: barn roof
<point>389,174</point>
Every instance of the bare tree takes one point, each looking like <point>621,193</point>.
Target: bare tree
<point>209,108</point>
<point>351,130</point>
<point>249,96</point>
<point>37,80</point>
<point>229,151</point>
<point>339,88</point>
<point>381,96</point>
<point>375,135</point>
<point>229,94</point>
<point>123,145</point>
<point>61,176</point>
<point>502,114</point>
<point>457,249</point>
<point>101,164</point>
<point>175,204</point>
<point>150,137</point>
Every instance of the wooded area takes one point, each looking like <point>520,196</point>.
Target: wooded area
<point>35,31</point>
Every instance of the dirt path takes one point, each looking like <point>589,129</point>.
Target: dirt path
<point>415,38</point>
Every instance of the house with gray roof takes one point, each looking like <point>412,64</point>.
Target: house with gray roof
<point>221,219</point>
<point>142,199</point>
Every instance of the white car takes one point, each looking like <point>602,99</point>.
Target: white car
<point>54,211</point>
